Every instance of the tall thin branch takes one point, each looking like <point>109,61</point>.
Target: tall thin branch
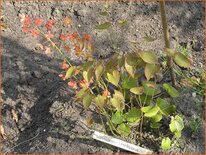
<point>167,41</point>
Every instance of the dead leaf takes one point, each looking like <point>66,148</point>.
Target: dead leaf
<point>14,115</point>
<point>186,83</point>
<point>67,21</point>
<point>89,121</point>
<point>3,26</point>
<point>40,46</point>
<point>47,51</point>
<point>2,132</point>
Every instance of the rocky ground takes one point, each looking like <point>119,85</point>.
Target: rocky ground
<point>47,118</point>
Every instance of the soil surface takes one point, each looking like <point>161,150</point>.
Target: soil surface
<point>49,120</point>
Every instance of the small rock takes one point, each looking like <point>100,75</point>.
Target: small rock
<point>36,74</point>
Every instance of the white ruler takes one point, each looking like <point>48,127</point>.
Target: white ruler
<point>119,143</point>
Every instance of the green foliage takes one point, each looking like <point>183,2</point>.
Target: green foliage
<point>103,26</point>
<point>195,124</point>
<point>170,90</point>
<point>166,143</point>
<point>123,129</point>
<point>182,60</point>
<point>124,88</point>
<point>176,125</point>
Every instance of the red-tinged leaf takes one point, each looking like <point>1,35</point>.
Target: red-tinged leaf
<point>65,65</point>
<point>49,35</point>
<point>63,37</point>
<point>38,21</point>
<point>73,36</point>
<point>49,24</point>
<point>25,29</point>
<point>72,84</point>
<point>78,51</point>
<point>86,37</point>
<point>61,76</point>
<point>105,93</point>
<point>67,48</point>
<point>35,32</point>
<point>27,21</point>
<point>83,83</point>
<point>76,72</point>
<point>67,21</point>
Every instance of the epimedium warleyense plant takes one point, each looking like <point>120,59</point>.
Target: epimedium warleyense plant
<point>124,88</point>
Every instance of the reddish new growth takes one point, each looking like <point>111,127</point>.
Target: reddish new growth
<point>38,21</point>
<point>73,36</point>
<point>34,32</point>
<point>65,65</point>
<point>86,37</point>
<point>49,24</point>
<point>72,84</point>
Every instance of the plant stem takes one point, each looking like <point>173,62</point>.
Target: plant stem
<point>166,38</point>
<point>55,46</point>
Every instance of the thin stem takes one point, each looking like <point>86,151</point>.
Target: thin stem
<point>166,38</point>
<point>54,45</point>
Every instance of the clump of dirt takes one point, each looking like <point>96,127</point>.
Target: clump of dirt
<point>49,120</point>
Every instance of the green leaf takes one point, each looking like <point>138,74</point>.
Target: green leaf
<point>150,70</point>
<point>87,75</point>
<point>149,39</point>
<point>131,59</point>
<point>176,125</point>
<point>123,129</point>
<point>128,83</point>
<point>99,70</point>
<point>178,134</point>
<point>87,100</point>
<point>112,63</point>
<point>100,101</point>
<point>156,118</point>
<point>70,72</point>
<point>166,142</point>
<point>117,118</point>
<point>114,77</point>
<point>103,13</point>
<point>133,115</point>
<point>181,60</point>
<point>165,107</point>
<point>103,26</point>
<point>145,99</point>
<point>171,90</point>
<point>122,22</point>
<point>137,90</point>
<point>148,57</point>
<point>80,94</point>
<point>146,109</point>
<point>150,88</point>
<point>155,125</point>
<point>130,69</point>
<point>86,66</point>
<point>152,112</point>
<point>118,101</point>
